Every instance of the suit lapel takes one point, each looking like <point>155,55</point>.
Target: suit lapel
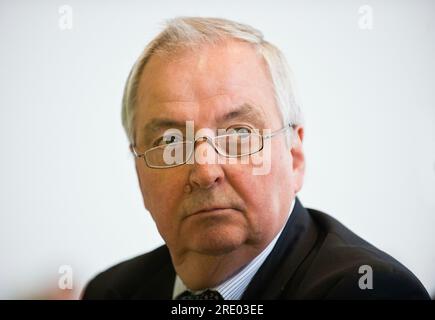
<point>295,242</point>
<point>160,284</point>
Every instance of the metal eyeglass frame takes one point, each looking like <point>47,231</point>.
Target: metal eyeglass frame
<point>211,141</point>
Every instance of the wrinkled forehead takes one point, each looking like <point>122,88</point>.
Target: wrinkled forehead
<point>206,85</point>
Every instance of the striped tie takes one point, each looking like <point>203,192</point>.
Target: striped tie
<point>206,295</point>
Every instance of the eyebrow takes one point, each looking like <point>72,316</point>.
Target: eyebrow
<point>244,112</point>
<point>157,124</point>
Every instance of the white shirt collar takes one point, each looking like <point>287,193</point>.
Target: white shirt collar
<point>234,287</point>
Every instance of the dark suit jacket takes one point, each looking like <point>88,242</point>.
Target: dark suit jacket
<point>315,257</point>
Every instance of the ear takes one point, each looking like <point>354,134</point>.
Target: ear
<point>135,160</point>
<point>137,164</point>
<point>297,152</point>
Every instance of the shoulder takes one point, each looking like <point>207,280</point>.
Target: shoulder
<point>344,266</point>
<point>124,279</point>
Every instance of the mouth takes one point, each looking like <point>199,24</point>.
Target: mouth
<point>212,210</point>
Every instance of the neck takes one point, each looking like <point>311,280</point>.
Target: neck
<point>200,271</point>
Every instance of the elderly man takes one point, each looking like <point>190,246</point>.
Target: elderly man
<point>217,138</point>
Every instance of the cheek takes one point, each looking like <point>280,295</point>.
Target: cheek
<point>281,174</point>
<point>162,194</point>
<point>266,196</point>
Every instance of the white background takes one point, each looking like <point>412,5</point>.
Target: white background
<point>68,190</point>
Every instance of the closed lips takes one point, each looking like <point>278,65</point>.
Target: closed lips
<point>204,210</point>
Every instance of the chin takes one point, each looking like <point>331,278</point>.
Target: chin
<point>218,242</point>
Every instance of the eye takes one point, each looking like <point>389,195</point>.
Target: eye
<point>168,139</point>
<point>242,131</point>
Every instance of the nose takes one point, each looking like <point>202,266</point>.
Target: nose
<point>206,172</point>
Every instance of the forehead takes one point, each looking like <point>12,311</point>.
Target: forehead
<point>205,84</point>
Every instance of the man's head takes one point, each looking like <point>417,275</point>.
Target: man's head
<point>220,75</point>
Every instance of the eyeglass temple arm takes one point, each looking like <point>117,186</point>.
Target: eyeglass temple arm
<point>133,150</point>
<point>268,136</point>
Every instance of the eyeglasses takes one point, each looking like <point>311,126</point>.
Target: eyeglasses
<point>238,143</point>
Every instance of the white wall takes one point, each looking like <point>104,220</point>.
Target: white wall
<point>68,190</point>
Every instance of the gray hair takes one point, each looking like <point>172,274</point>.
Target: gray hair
<point>194,31</point>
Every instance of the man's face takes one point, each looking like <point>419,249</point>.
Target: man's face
<point>217,87</point>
